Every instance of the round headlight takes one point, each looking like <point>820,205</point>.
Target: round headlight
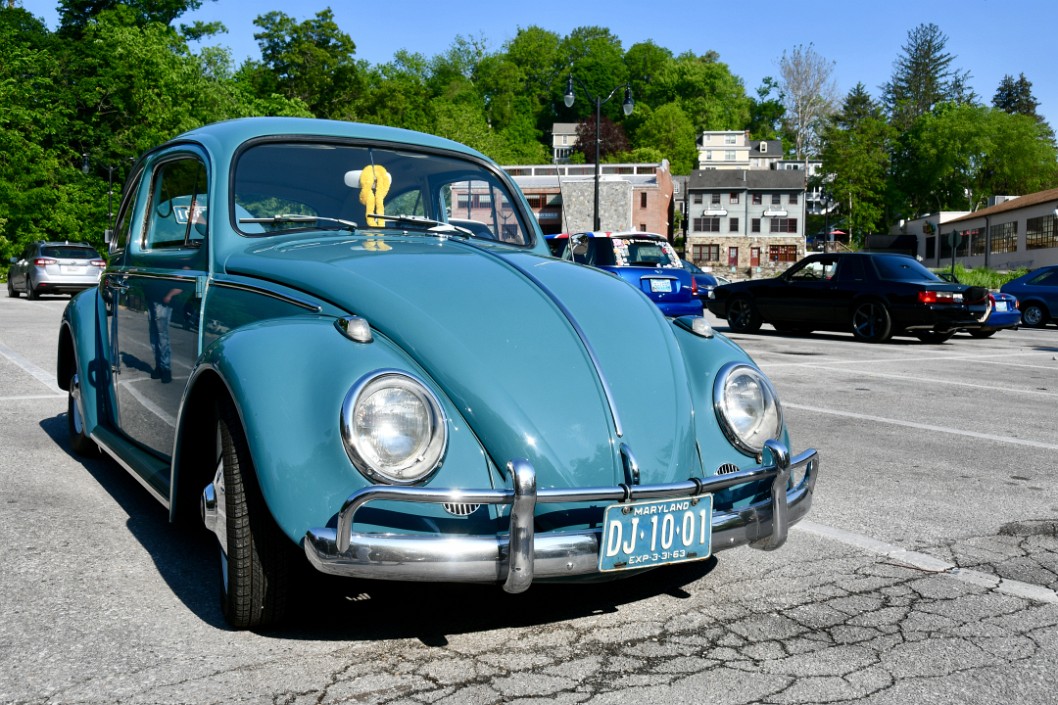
<point>747,407</point>
<point>393,428</point>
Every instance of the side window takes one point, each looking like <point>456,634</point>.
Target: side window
<point>177,216</point>
<point>125,223</point>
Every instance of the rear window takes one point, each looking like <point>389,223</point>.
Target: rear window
<point>643,252</point>
<point>69,252</point>
<point>903,269</point>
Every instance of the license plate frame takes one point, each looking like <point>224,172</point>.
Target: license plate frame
<point>653,532</point>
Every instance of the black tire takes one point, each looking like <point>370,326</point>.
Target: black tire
<point>256,570</point>
<point>31,293</point>
<point>742,317</point>
<point>933,337</point>
<point>11,291</point>
<point>982,333</point>
<point>79,440</point>
<point>1033,315</point>
<point>871,322</point>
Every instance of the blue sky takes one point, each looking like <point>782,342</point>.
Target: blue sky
<point>863,38</point>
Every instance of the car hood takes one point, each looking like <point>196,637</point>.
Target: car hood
<point>485,325</point>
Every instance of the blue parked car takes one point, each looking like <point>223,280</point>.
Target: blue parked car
<point>703,280</point>
<point>645,260</point>
<point>1037,293</point>
<point>1004,315</point>
<point>348,347</point>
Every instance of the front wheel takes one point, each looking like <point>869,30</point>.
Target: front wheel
<point>1033,316</point>
<point>31,293</point>
<point>742,317</point>
<point>932,336</point>
<point>871,322</point>
<point>82,444</point>
<point>256,558</point>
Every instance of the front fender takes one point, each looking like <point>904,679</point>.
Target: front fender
<point>82,349</point>
<point>288,378</point>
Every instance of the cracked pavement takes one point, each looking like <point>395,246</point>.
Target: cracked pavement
<point>910,585</point>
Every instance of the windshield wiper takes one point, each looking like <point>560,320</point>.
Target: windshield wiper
<point>428,225</point>
<point>279,218</point>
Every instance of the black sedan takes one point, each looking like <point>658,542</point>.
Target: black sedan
<point>873,295</point>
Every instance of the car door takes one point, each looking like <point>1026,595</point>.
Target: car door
<point>154,295</point>
<point>805,296</point>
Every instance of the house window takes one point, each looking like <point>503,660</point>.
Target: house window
<point>793,199</point>
<point>698,199</point>
<point>776,199</point>
<point>783,225</point>
<point>730,156</point>
<point>708,155</point>
<point>732,225</point>
<point>1041,232</point>
<point>733,198</point>
<point>716,199</point>
<point>643,199</point>
<point>707,225</point>
<point>730,139</point>
<point>757,199</point>
<point>1005,236</point>
<point>732,256</point>
<point>705,253</point>
<point>782,253</point>
<point>754,225</point>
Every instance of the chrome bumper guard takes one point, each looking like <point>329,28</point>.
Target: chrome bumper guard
<point>519,556</point>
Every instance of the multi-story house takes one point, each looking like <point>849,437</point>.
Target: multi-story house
<point>733,149</point>
<point>747,222</point>
<point>563,140</point>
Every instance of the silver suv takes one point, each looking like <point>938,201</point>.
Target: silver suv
<point>54,268</point>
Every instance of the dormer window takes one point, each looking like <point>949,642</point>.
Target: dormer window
<point>763,147</point>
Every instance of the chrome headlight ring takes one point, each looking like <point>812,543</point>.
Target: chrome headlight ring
<point>393,428</point>
<point>747,407</point>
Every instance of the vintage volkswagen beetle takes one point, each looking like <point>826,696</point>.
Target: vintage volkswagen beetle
<point>351,343</point>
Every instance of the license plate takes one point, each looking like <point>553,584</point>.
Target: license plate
<point>661,286</point>
<point>643,534</point>
<point>1001,305</point>
<point>71,269</point>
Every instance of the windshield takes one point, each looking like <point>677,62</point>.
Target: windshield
<point>290,186</point>
<point>901,268</point>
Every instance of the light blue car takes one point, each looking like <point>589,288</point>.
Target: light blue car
<point>348,345</point>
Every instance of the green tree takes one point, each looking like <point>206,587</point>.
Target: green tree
<point>706,91</point>
<point>1015,97</point>
<point>670,132</point>
<point>855,156</point>
<point>767,112</point>
<point>75,15</point>
<point>312,62</point>
<point>924,77</point>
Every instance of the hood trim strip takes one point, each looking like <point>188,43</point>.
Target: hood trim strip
<point>607,392</point>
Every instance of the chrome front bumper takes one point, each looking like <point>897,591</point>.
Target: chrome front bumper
<point>519,556</point>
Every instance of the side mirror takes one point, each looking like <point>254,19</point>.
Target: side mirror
<point>578,245</point>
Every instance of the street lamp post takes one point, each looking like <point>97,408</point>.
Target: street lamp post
<point>627,106</point>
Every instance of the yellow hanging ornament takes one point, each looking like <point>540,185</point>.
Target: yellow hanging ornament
<point>374,185</point>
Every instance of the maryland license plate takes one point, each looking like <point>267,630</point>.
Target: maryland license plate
<point>643,534</point>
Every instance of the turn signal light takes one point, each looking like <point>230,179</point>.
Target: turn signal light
<point>937,297</point>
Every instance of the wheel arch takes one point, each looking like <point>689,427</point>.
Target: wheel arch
<point>194,459</point>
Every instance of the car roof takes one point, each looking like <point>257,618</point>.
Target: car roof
<point>609,234</point>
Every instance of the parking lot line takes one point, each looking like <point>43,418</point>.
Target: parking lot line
<point>48,380</point>
<point>925,427</point>
<point>929,564</point>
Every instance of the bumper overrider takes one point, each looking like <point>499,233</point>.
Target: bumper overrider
<point>519,556</point>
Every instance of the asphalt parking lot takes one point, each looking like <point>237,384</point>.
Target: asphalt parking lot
<point>926,572</point>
